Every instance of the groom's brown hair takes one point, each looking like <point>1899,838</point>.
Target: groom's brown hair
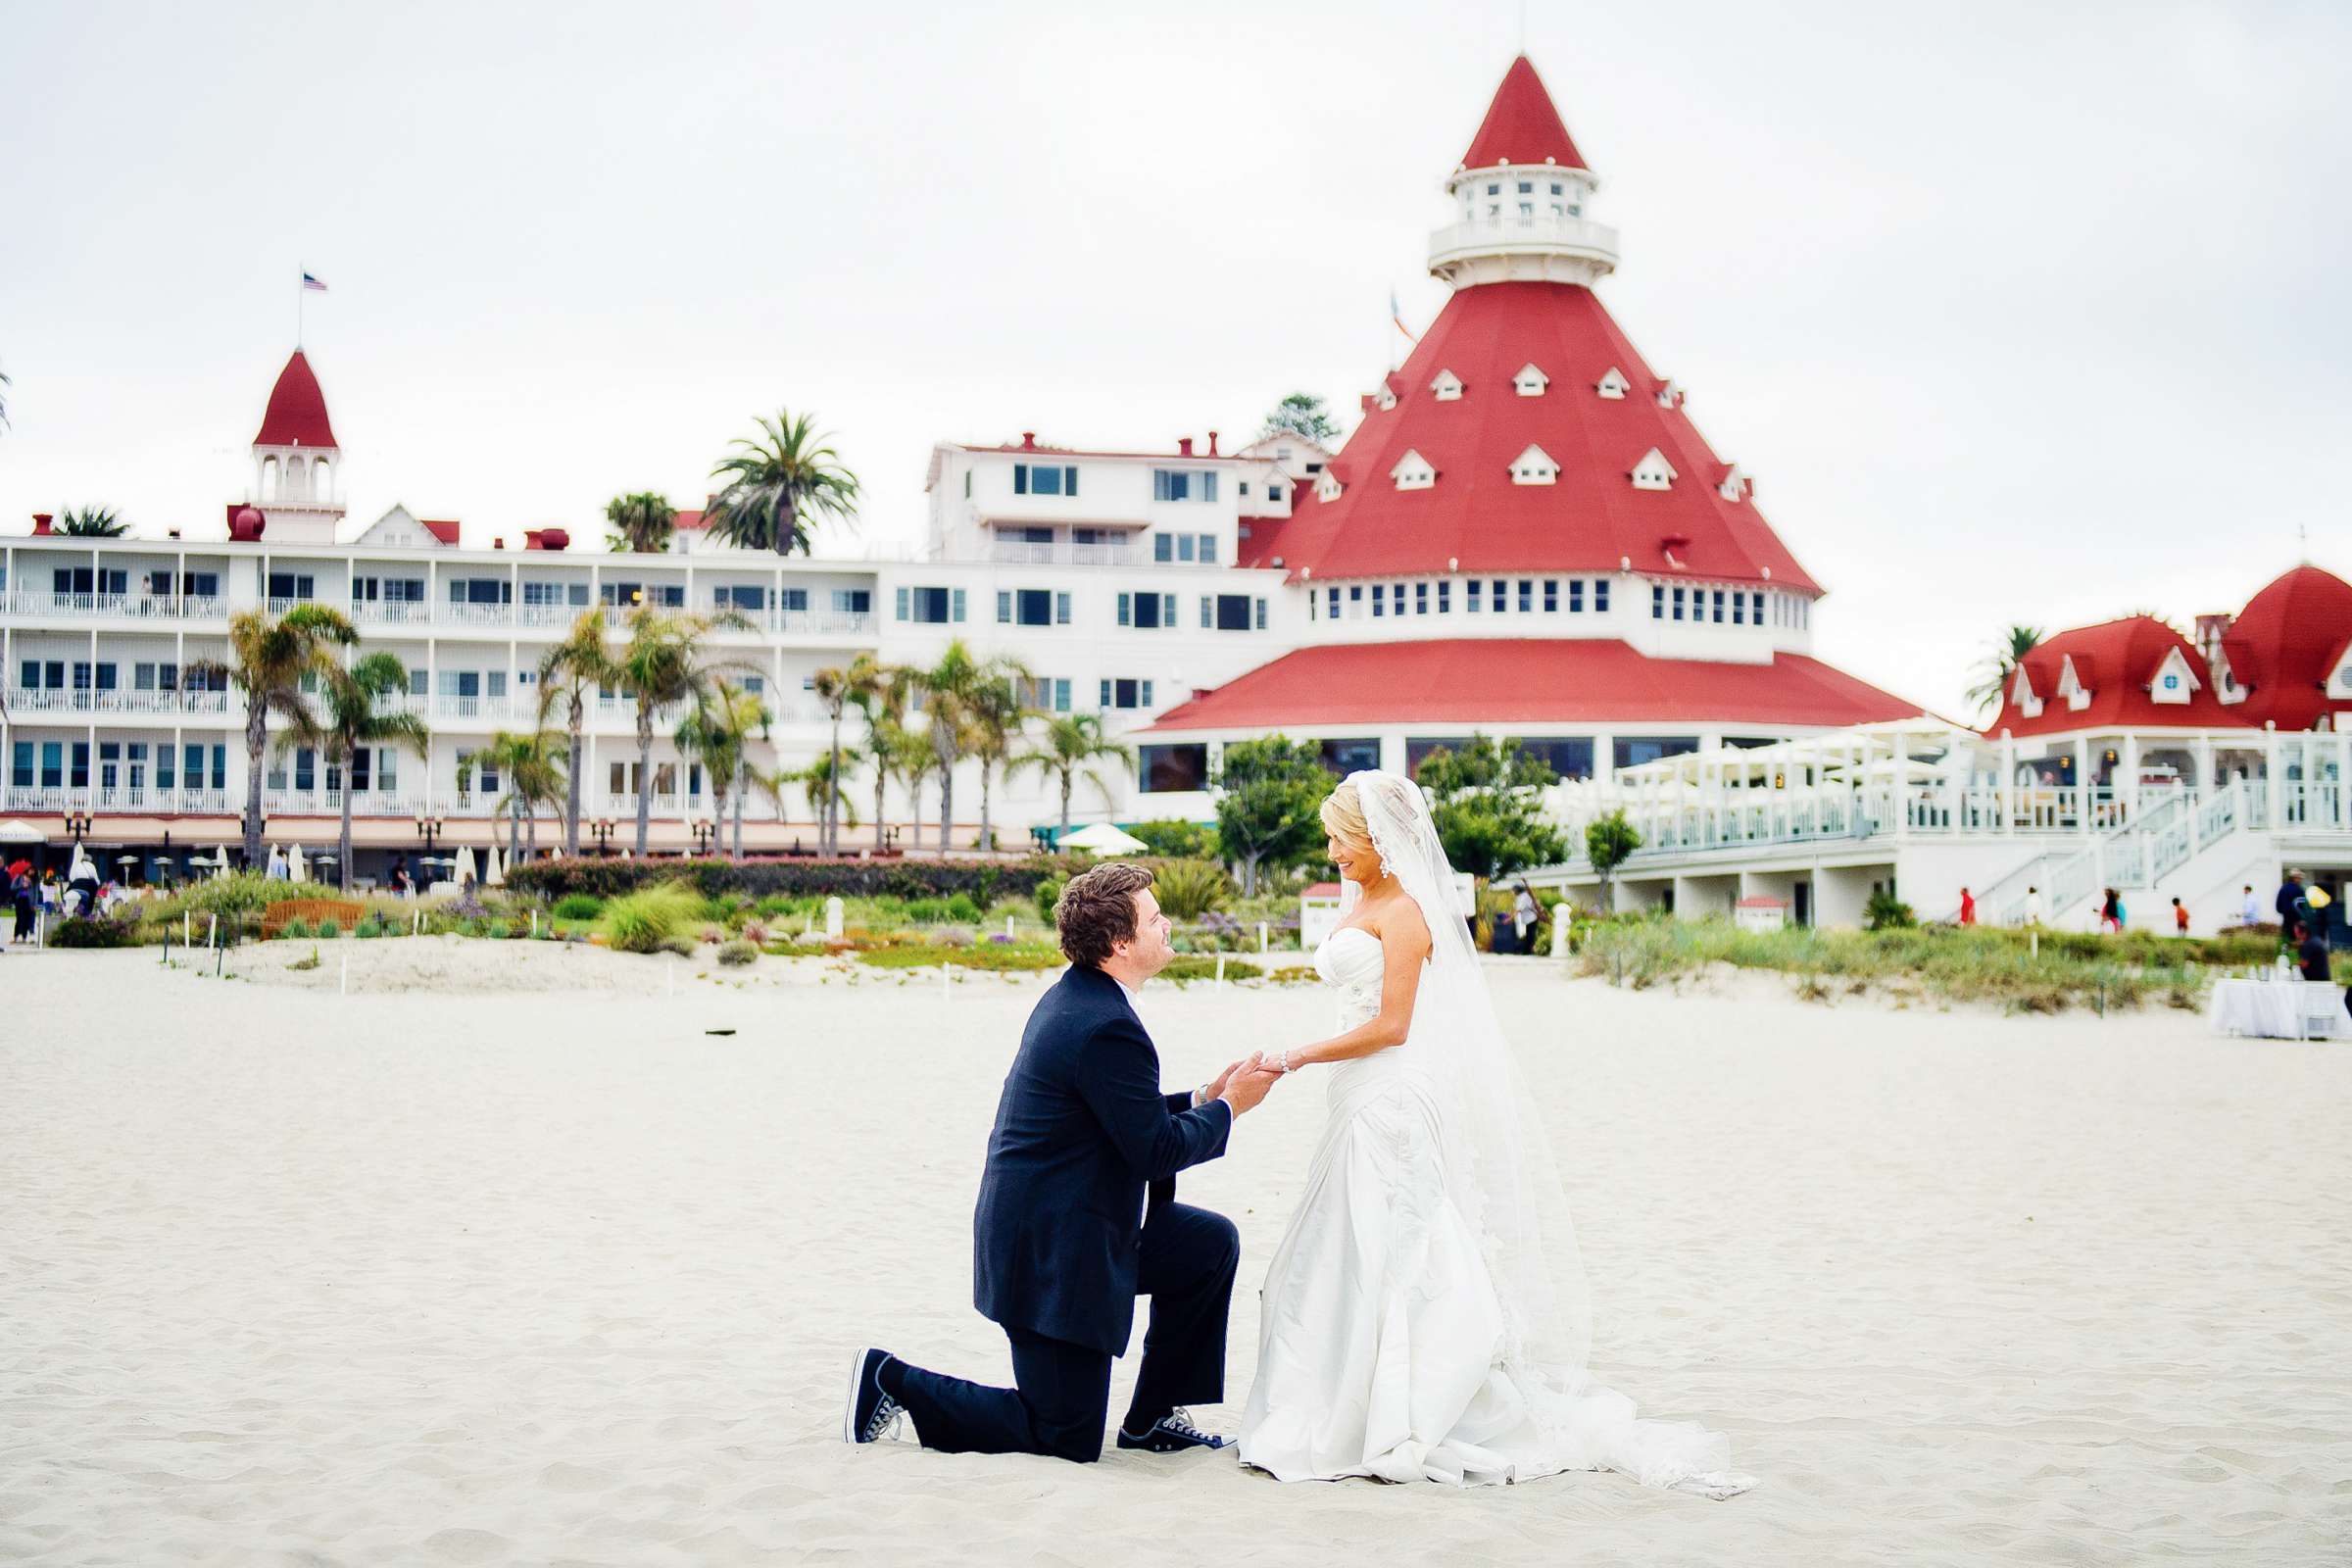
<point>1097,910</point>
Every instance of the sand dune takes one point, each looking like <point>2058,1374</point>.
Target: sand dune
<point>530,1267</point>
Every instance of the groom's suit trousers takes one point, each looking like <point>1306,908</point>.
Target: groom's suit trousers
<point>1062,1391</point>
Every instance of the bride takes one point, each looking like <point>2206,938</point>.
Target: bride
<point>1425,1316</point>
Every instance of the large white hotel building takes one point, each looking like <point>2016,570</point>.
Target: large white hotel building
<point>1525,535</point>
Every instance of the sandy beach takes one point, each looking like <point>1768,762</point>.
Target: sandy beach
<point>510,1255</point>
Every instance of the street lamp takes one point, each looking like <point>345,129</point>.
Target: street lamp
<point>429,828</point>
<point>601,830</point>
<point>78,824</point>
<point>702,837</point>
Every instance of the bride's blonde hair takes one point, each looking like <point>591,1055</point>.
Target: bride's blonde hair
<point>1343,812</point>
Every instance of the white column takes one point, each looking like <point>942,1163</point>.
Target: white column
<point>2130,764</point>
<point>2273,789</point>
<point>2082,809</point>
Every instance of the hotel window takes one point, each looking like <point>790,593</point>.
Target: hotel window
<point>534,592</point>
<point>1527,595</point>
<point>1209,550</point>
<point>1470,597</point>
<point>1126,693</point>
<point>931,607</point>
<point>1379,593</point>
<point>1634,751</point>
<point>1184,484</point>
<point>461,590</point>
<point>1657,602</point>
<point>1444,597</point>
<point>1601,598</point>
<point>1347,757</point>
<point>1738,609</point>
<point>1678,603</point>
<point>1570,758</point>
<point>1147,612</point>
<point>1718,606</point>
<point>1031,607</point>
<point>1576,595</point>
<point>1755,608</point>
<point>1168,769</point>
<point>1418,746</point>
<point>291,584</point>
<point>1551,596</point>
<point>1500,599</point>
<point>1234,612</point>
<point>1273,492</point>
<point>852,601</point>
<point>1355,598</point>
<point>1331,604</point>
<point>1260,610</point>
<point>731,597</point>
<point>1044,479</point>
<point>1420,599</point>
<point>20,769</point>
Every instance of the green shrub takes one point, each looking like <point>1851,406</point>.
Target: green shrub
<point>1887,912</point>
<point>649,919</point>
<point>75,932</point>
<point>370,928</point>
<point>310,963</point>
<point>1177,840</point>
<point>1199,967</point>
<point>736,954</point>
<point>330,928</point>
<point>991,956</point>
<point>295,928</point>
<point>1047,894</point>
<point>579,906</point>
<point>1187,890</point>
<point>683,946</point>
<point>984,881</point>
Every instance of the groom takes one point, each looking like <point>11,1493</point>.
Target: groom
<point>1065,1239</point>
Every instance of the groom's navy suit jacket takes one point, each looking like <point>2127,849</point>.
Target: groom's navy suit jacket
<point>1082,1133</point>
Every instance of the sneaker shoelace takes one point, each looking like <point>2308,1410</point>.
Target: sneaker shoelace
<point>884,1422</point>
<point>1179,1422</point>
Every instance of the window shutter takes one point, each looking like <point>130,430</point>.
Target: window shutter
<point>1105,703</point>
<point>1167,609</point>
<point>1061,696</point>
<point>901,604</point>
<point>1004,607</point>
<point>1261,615</point>
<point>1208,549</point>
<point>1020,478</point>
<point>956,610</point>
<point>1163,547</point>
<point>1061,603</point>
<point>1147,694</point>
<point>1209,607</point>
<point>1126,609</point>
<point>1208,492</point>
<point>1069,480</point>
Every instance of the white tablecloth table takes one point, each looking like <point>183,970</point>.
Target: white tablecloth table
<point>2274,1010</point>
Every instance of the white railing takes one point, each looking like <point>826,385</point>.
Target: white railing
<point>85,700</point>
<point>464,615</point>
<point>279,606</point>
<point>547,615</point>
<point>818,623</point>
<point>1020,553</point>
<point>393,612</point>
<point>119,607</point>
<point>1541,231</point>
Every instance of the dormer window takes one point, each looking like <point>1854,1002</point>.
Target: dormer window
<point>1448,386</point>
<point>2071,686</point>
<point>1385,399</point>
<point>1614,385</point>
<point>2339,677</point>
<point>1530,382</point>
<point>1654,471</point>
<point>1533,466</point>
<point>1670,396</point>
<point>1413,472</point>
<point>2176,681</point>
<point>2021,695</point>
<point>1734,484</point>
<point>1327,488</point>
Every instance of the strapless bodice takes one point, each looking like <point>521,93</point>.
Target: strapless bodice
<point>1349,962</point>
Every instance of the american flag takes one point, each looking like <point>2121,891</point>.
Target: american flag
<point>1396,316</point>
<point>310,283</point>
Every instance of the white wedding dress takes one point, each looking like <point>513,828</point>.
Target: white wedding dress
<point>1422,1319</point>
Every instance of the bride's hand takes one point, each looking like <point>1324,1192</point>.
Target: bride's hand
<point>1216,1085</point>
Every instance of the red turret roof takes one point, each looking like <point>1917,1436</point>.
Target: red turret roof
<point>1521,126</point>
<point>2282,644</point>
<point>1497,680</point>
<point>297,412</point>
<point>1591,518</point>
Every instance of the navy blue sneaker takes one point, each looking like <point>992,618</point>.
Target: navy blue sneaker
<point>1172,1434</point>
<point>872,1415</point>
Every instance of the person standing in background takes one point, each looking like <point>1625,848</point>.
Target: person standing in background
<point>2179,918</point>
<point>2249,910</point>
<point>2291,909</point>
<point>1968,908</point>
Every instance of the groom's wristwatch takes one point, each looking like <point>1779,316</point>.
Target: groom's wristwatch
<point>1201,1096</point>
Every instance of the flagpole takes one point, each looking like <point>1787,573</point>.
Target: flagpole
<point>299,291</point>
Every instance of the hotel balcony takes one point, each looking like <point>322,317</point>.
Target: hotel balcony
<point>22,700</point>
<point>115,606</point>
<point>1014,552</point>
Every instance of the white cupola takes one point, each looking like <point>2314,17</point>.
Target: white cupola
<point>297,465</point>
<point>1520,197</point>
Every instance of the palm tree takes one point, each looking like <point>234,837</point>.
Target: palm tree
<point>570,673</point>
<point>912,761</point>
<point>884,710</point>
<point>2000,664</point>
<point>663,665</point>
<point>1070,748</point>
<point>998,718</point>
<point>644,522</point>
<point>719,731</point>
<point>861,682</point>
<point>960,704</point>
<point>825,790</point>
<point>267,657</point>
<point>92,523</point>
<point>356,716</point>
<point>532,763</point>
<point>777,483</point>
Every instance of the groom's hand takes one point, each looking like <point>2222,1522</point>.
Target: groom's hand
<point>1216,1085</point>
<point>1246,1084</point>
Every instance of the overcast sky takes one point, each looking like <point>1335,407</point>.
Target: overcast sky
<point>2017,312</point>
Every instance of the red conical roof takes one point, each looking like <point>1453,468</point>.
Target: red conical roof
<point>2283,643</point>
<point>2117,661</point>
<point>297,412</point>
<point>1521,126</point>
<point>1590,519</point>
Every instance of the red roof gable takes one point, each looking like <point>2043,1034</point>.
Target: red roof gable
<point>446,532</point>
<point>1483,680</point>
<point>689,521</point>
<point>2115,661</point>
<point>2281,644</point>
<point>1521,126</point>
<point>1590,519</point>
<point>297,412</point>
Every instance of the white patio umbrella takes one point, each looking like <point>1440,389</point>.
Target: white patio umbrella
<point>496,875</point>
<point>275,865</point>
<point>1101,837</point>
<point>298,865</point>
<point>465,872</point>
